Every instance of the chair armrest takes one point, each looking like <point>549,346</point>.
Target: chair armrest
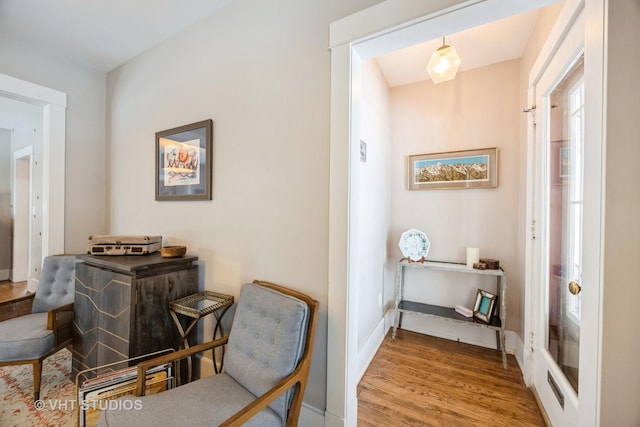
<point>16,307</point>
<point>252,409</point>
<point>54,321</point>
<point>60,321</point>
<point>172,357</point>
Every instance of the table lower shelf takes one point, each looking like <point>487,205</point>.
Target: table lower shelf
<point>445,312</point>
<point>448,313</point>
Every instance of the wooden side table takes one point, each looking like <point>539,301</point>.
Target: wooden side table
<point>197,306</point>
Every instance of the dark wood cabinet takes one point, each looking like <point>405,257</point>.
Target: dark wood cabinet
<point>122,306</point>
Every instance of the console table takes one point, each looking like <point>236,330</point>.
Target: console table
<point>122,306</point>
<point>498,322</point>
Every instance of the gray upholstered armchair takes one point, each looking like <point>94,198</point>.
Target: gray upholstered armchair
<point>33,337</point>
<point>266,365</point>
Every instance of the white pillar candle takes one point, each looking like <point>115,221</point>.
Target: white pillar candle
<point>473,256</point>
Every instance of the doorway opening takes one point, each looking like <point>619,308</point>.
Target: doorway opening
<point>46,170</point>
<point>21,229</point>
<point>354,40</point>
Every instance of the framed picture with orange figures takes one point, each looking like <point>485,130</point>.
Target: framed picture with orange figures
<point>184,162</point>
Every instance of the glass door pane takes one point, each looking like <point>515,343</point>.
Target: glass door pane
<point>566,172</point>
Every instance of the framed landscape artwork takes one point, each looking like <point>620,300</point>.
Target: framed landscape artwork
<point>183,162</point>
<point>453,170</point>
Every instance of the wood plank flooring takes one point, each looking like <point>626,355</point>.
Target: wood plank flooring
<point>420,380</point>
<point>10,290</point>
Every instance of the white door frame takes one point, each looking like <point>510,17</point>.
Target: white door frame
<point>21,201</point>
<point>54,105</point>
<point>387,26</point>
<point>591,330</point>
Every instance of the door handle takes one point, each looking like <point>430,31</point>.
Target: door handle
<point>574,287</point>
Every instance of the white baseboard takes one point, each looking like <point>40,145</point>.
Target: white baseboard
<point>310,416</point>
<point>466,333</point>
<point>520,356</point>
<point>331,420</point>
<point>366,355</point>
<point>32,284</point>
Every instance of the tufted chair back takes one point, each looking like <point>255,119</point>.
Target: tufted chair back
<point>57,283</point>
<point>266,341</point>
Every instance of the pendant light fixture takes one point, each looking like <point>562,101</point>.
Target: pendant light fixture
<point>444,63</point>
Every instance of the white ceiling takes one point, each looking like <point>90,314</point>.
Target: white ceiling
<point>100,33</point>
<point>477,47</point>
<point>105,34</point>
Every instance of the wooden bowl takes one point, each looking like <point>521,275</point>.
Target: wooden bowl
<point>173,251</point>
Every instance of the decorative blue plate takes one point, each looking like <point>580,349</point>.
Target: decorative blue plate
<point>414,245</point>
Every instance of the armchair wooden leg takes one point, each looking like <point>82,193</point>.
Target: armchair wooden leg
<point>37,373</point>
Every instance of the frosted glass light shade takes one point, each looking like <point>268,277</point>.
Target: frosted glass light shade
<point>444,64</point>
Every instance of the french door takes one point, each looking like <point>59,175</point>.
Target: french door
<point>556,200</point>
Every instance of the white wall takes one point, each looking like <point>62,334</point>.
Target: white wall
<point>260,70</point>
<point>369,208</point>
<point>85,210</point>
<point>620,376</point>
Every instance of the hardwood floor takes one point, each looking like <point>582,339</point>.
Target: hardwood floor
<point>420,380</point>
<point>10,290</point>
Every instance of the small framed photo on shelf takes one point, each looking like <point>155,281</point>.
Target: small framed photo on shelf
<point>483,308</point>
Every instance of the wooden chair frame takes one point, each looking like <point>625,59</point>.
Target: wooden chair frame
<point>62,332</point>
<point>297,378</point>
